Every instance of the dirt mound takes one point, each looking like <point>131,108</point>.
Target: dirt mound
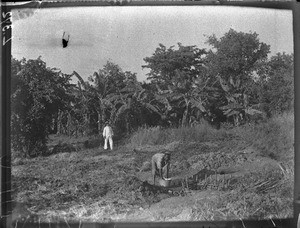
<point>132,183</point>
<point>144,192</point>
<point>92,143</point>
<point>212,160</point>
<point>135,184</point>
<point>62,148</point>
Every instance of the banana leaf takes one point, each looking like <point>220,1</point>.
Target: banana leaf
<point>252,111</point>
<point>232,106</point>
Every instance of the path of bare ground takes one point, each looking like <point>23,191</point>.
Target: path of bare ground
<point>214,180</point>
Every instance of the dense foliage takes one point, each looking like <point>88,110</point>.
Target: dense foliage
<point>234,82</point>
<point>37,94</point>
<point>234,60</point>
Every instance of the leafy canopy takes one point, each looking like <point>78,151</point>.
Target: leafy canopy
<point>37,93</point>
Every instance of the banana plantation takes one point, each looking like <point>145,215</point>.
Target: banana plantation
<point>235,82</point>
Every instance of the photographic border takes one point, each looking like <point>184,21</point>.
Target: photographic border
<point>5,66</point>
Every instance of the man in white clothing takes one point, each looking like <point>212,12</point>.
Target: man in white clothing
<point>107,135</point>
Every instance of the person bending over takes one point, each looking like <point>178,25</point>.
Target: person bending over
<point>159,162</point>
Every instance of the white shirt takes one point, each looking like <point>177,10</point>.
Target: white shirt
<point>107,132</point>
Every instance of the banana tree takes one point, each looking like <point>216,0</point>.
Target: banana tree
<point>234,59</point>
<point>180,77</point>
<point>188,94</point>
<point>100,92</point>
<point>107,85</point>
<point>238,106</point>
<point>129,103</point>
<point>84,102</point>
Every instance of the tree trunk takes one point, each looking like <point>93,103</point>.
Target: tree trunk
<point>54,130</point>
<point>185,114</point>
<point>59,123</point>
<point>99,123</point>
<point>236,120</point>
<point>127,124</point>
<point>85,124</point>
<point>69,125</point>
<point>102,117</point>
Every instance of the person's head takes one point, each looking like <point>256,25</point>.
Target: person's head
<point>107,123</point>
<point>167,156</point>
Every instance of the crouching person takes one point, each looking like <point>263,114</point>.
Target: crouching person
<point>108,136</point>
<point>160,161</point>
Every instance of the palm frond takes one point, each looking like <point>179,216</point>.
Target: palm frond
<point>162,99</point>
<point>124,108</point>
<point>231,106</point>
<point>198,104</point>
<point>81,81</point>
<point>152,108</point>
<point>231,112</point>
<point>223,84</point>
<point>252,111</point>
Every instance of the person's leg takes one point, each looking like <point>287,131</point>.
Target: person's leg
<point>111,143</point>
<point>153,170</point>
<point>105,143</point>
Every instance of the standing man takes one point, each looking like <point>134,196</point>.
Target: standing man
<point>107,135</point>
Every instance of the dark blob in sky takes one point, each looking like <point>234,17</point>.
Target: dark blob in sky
<point>65,41</point>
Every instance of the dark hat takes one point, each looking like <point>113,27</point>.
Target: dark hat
<point>167,152</point>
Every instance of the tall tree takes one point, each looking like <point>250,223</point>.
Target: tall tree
<point>233,60</point>
<point>179,75</point>
<point>106,83</point>
<point>82,106</point>
<point>134,104</point>
<point>277,84</point>
<point>37,94</point>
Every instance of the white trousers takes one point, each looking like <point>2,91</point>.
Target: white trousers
<point>111,143</point>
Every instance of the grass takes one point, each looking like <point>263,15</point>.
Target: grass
<point>249,201</point>
<point>162,136</point>
<point>98,186</point>
<point>273,138</point>
<point>235,205</point>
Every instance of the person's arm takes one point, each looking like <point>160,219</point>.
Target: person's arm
<point>153,163</point>
<point>166,164</point>
<point>160,167</point>
<point>161,173</point>
<point>104,132</point>
<point>168,167</point>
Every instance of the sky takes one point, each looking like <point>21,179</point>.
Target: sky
<point>126,35</point>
